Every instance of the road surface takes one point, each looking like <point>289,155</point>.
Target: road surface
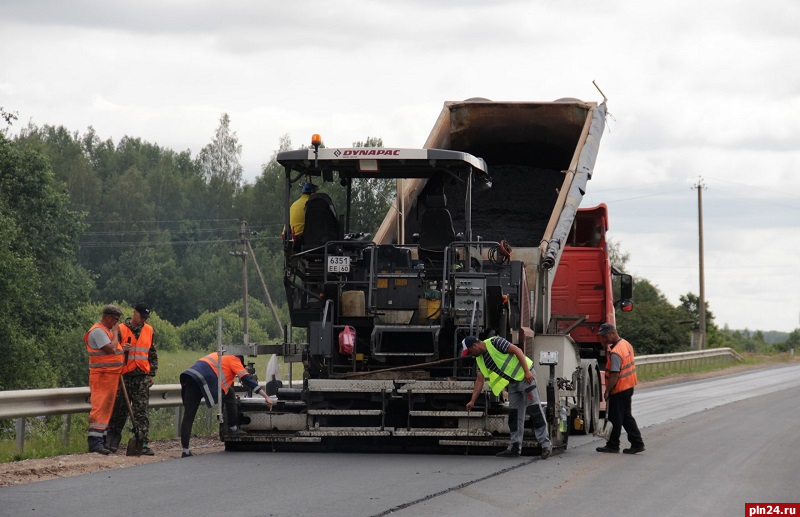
<point>712,446</point>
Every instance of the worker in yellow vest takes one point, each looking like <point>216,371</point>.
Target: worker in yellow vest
<point>620,380</point>
<point>505,366</point>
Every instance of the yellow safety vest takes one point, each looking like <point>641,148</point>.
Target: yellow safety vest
<point>510,368</point>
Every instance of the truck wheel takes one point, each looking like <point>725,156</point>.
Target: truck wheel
<point>591,406</point>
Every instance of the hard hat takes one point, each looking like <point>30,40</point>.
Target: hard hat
<point>309,188</point>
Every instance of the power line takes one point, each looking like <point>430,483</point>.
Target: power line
<point>125,244</point>
<point>161,221</point>
<point>643,197</point>
<point>771,202</point>
<point>157,231</point>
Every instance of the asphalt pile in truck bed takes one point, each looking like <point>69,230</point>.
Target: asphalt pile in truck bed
<point>516,208</point>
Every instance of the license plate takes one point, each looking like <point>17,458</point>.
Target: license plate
<point>338,264</point>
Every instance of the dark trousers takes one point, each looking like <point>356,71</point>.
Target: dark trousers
<point>191,397</point>
<point>138,387</point>
<point>619,414</point>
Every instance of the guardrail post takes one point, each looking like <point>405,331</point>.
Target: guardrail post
<point>20,428</point>
<point>66,427</point>
<point>178,418</point>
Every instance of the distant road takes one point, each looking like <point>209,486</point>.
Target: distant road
<point>712,446</point>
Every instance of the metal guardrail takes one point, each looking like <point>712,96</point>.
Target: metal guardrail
<point>22,404</point>
<point>63,401</point>
<point>712,356</point>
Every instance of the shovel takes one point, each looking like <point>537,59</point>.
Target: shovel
<point>603,432</point>
<point>136,442</point>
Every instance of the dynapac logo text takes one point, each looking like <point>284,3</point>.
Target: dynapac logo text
<point>371,152</point>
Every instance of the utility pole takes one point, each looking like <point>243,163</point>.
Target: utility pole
<point>701,303</point>
<point>243,255</point>
<point>248,250</point>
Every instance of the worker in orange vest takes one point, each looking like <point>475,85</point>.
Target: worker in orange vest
<point>201,382</point>
<point>620,381</point>
<point>141,365</point>
<point>106,358</point>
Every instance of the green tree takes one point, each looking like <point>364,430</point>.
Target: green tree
<point>42,283</point>
<point>792,342</point>
<point>616,256</point>
<point>372,197</point>
<point>689,308</point>
<point>262,204</point>
<point>220,164</point>
<point>7,116</point>
<point>654,326</point>
<point>70,163</point>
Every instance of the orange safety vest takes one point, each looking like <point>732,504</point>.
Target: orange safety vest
<point>139,354</point>
<point>231,368</point>
<point>627,372</point>
<point>100,360</point>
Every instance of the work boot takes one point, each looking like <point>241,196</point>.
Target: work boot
<point>512,452</point>
<point>606,448</point>
<point>633,450</point>
<point>112,440</point>
<point>147,451</point>
<point>101,450</point>
<point>546,453</point>
<point>187,454</point>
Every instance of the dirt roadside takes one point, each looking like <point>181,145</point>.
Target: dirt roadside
<point>32,470</point>
<point>42,469</point>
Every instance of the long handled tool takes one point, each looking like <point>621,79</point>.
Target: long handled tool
<point>136,442</point>
<point>397,368</point>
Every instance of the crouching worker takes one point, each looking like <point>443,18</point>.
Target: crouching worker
<point>200,382</point>
<point>505,365</point>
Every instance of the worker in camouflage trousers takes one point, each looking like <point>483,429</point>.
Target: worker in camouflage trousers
<point>140,368</point>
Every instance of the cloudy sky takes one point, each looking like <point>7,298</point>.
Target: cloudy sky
<point>696,90</point>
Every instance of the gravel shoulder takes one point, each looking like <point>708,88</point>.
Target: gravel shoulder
<point>42,469</point>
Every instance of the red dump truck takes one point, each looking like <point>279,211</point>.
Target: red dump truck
<point>485,239</point>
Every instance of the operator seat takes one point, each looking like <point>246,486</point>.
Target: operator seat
<point>435,229</point>
<point>321,223</point>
